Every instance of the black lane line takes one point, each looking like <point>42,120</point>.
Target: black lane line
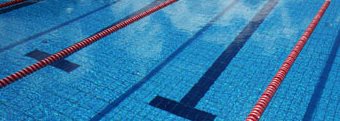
<point>64,65</point>
<point>54,28</point>
<point>319,87</point>
<point>154,71</point>
<point>186,107</point>
<point>18,6</point>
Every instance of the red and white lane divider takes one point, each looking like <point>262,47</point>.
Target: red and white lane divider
<point>84,43</point>
<point>265,98</point>
<point>6,4</point>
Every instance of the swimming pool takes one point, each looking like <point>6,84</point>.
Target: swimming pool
<point>202,58</point>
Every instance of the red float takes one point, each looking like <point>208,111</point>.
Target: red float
<point>265,98</point>
<point>6,4</point>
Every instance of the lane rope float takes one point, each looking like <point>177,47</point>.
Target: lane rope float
<point>77,46</point>
<point>9,3</point>
<point>267,95</point>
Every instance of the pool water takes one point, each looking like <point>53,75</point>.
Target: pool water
<point>192,60</point>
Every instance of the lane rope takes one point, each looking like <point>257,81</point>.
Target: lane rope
<point>9,3</point>
<point>267,95</point>
<point>77,46</point>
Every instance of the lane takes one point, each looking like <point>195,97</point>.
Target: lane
<point>320,86</point>
<point>153,72</point>
<point>197,92</point>
<point>47,31</point>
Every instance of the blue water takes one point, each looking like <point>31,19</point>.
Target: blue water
<point>168,54</point>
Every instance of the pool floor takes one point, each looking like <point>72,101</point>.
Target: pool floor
<point>191,60</point>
